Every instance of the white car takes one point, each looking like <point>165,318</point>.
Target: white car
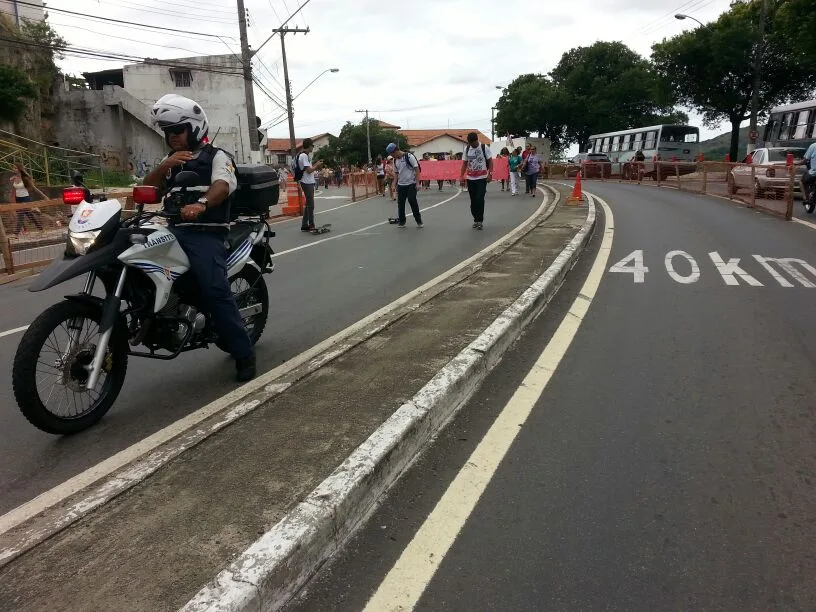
<point>767,171</point>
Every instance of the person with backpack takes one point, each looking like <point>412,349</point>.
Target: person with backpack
<point>478,166</point>
<point>304,174</point>
<point>409,174</point>
<point>514,162</point>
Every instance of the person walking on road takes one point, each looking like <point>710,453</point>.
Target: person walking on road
<point>440,182</point>
<point>478,166</point>
<point>532,168</point>
<point>307,183</point>
<point>379,168</point>
<point>390,177</point>
<point>21,186</point>
<point>408,175</point>
<point>514,162</point>
<point>524,154</point>
<point>504,153</point>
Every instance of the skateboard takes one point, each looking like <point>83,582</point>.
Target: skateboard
<point>393,220</point>
<point>322,229</point>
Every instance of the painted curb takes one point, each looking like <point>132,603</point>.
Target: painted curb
<point>274,568</point>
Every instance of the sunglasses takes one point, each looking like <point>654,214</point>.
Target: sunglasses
<point>175,129</point>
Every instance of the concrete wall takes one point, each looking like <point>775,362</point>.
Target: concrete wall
<point>220,95</point>
<point>18,12</point>
<point>86,121</point>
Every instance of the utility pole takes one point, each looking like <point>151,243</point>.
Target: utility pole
<point>368,133</point>
<point>754,134</point>
<point>288,86</point>
<point>249,94</point>
<point>492,124</point>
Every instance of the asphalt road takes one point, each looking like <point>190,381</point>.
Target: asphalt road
<point>668,465</point>
<point>316,291</point>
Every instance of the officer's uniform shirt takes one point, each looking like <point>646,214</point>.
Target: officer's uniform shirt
<point>222,170</point>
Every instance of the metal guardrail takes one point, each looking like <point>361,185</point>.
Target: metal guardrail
<point>768,188</point>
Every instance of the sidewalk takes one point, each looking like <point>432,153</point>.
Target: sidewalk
<point>155,546</point>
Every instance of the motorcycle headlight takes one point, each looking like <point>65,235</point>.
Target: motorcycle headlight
<point>79,243</point>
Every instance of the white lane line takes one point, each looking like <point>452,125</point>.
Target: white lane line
<point>357,231</point>
<point>320,212</point>
<point>16,330</point>
<point>404,584</point>
<point>95,473</point>
<point>803,222</point>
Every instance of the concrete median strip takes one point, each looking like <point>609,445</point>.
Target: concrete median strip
<point>277,565</point>
<point>32,523</point>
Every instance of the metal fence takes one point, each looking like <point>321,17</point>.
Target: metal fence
<point>769,188</point>
<point>49,165</point>
<point>363,185</point>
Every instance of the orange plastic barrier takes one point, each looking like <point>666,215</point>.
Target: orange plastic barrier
<point>294,198</point>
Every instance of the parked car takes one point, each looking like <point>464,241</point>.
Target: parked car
<point>766,171</point>
<point>591,165</point>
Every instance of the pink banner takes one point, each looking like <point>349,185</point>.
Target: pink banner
<point>451,169</point>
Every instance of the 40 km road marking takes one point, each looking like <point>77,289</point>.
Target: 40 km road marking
<point>407,580</point>
<point>730,271</point>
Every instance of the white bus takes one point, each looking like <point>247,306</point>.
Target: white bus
<point>658,142</point>
<point>791,125</point>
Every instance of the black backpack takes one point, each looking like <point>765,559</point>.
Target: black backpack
<point>297,171</point>
<point>416,159</point>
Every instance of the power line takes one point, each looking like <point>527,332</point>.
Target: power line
<point>170,13</point>
<point>661,22</point>
<point>141,29</point>
<point>273,10</point>
<point>210,8</point>
<point>65,25</point>
<point>121,57</point>
<point>127,23</point>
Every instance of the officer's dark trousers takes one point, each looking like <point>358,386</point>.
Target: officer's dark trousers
<point>208,263</point>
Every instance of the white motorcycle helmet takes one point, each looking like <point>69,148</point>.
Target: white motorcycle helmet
<point>171,110</point>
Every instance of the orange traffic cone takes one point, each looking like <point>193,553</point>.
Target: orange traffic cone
<point>577,195</point>
<point>293,198</point>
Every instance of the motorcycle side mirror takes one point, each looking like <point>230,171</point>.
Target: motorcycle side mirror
<point>186,178</point>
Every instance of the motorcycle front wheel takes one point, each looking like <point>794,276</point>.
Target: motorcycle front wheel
<point>51,369</point>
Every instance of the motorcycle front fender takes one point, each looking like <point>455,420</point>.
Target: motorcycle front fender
<point>66,268</point>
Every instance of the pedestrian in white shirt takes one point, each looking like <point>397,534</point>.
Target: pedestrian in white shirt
<point>307,183</point>
<point>478,166</point>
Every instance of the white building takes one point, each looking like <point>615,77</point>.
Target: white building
<point>277,149</point>
<point>17,11</point>
<point>436,142</point>
<point>112,116</point>
<point>216,82</point>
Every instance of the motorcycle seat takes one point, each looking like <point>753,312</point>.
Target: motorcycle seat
<point>237,234</point>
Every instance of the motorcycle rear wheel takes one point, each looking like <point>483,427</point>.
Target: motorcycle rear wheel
<point>48,373</point>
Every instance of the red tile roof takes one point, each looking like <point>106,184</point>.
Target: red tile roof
<point>281,145</point>
<point>420,137</point>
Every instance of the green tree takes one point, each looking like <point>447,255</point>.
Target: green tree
<point>15,89</point>
<point>607,87</point>
<point>533,104</point>
<point>351,145</point>
<point>711,68</point>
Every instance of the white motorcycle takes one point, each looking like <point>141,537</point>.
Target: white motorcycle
<point>71,362</point>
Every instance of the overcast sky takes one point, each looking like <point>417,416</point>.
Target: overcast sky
<point>420,64</point>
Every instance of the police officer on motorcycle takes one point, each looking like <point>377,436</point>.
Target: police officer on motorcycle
<point>204,220</point>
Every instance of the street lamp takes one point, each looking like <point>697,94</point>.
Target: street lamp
<point>492,119</point>
<point>314,79</point>
<point>682,16</point>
